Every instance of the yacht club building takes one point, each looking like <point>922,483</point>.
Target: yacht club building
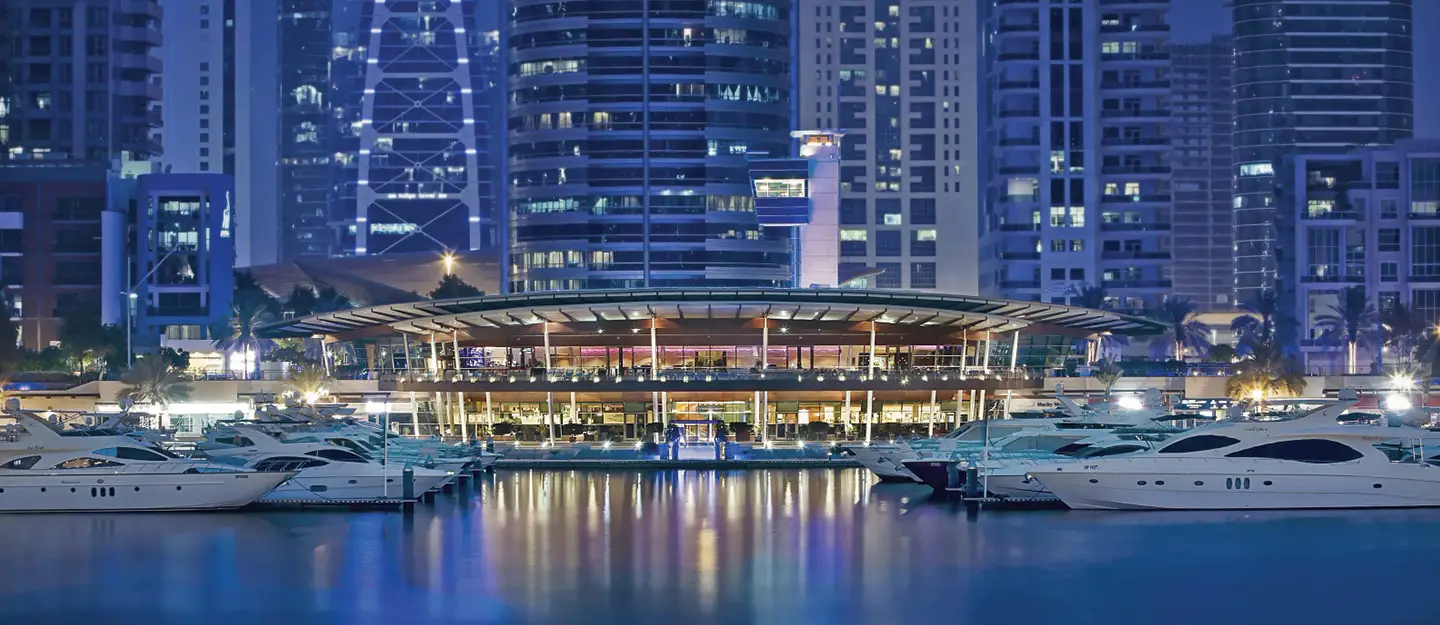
<point>783,357</point>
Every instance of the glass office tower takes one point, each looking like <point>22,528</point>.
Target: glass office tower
<point>629,127</point>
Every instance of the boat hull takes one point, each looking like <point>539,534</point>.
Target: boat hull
<point>1236,485</point>
<point>120,492</point>
<point>317,486</point>
<point>935,474</point>
<point>886,463</point>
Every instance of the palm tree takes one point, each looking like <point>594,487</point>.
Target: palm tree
<point>1107,373</point>
<point>1089,296</point>
<point>1350,322</point>
<point>240,333</point>
<point>1182,329</point>
<point>309,383</point>
<point>1405,331</point>
<point>1268,372</point>
<point>1266,315</point>
<point>330,300</point>
<point>154,381</point>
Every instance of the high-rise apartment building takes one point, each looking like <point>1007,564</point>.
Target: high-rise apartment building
<point>1311,77</point>
<point>198,107</point>
<point>1076,98</point>
<point>899,78</point>
<point>630,125</point>
<point>1200,135</point>
<point>80,86</point>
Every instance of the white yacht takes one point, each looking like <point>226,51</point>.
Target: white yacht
<point>1311,461</point>
<point>887,460</point>
<point>43,470</point>
<point>1013,476</point>
<point>939,469</point>
<point>323,473</point>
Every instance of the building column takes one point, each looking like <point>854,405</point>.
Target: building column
<point>464,420</point>
<point>870,394</point>
<point>665,409</point>
<point>434,358</point>
<point>574,409</point>
<point>455,341</point>
<point>985,359</point>
<point>550,414</point>
<point>654,351</point>
<point>489,413</point>
<point>964,347</point>
<point>546,332</point>
<point>325,355</point>
<point>759,421</point>
<point>956,424</point>
<point>405,339</point>
<point>847,411</point>
<point>765,416</point>
<point>414,415</point>
<point>1014,349</point>
<point>655,407</point>
<point>931,433</point>
<point>764,344</point>
<point>981,405</point>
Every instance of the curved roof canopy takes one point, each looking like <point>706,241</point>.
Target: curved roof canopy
<point>936,311</point>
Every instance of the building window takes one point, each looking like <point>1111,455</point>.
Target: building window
<point>887,243</point>
<point>922,275</point>
<point>922,211</point>
<point>1425,252</point>
<point>1389,272</point>
<point>888,212</point>
<point>1323,251</point>
<point>852,212</point>
<point>1389,208</point>
<point>889,277</point>
<point>922,242</point>
<point>854,242</point>
<point>1389,239</point>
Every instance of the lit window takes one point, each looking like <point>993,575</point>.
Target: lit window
<point>855,235</point>
<point>772,188</point>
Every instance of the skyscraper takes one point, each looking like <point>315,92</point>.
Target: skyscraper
<point>79,87</point>
<point>307,144</point>
<point>1076,151</point>
<point>1204,120</point>
<point>630,123</point>
<point>422,174</point>
<point>1311,77</point>
<point>899,78</point>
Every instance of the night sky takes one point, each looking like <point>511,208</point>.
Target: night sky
<point>1198,20</point>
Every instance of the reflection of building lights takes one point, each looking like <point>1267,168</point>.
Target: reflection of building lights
<point>1401,382</point>
<point>1130,402</point>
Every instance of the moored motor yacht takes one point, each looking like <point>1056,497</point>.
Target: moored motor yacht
<point>1310,461</point>
<point>323,473</point>
<point>941,471</point>
<point>43,470</point>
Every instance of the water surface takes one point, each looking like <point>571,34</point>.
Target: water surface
<point>781,547</point>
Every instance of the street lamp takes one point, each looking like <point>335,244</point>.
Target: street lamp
<point>449,260</point>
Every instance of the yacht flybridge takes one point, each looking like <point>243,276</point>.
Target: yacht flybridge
<point>1311,461</point>
<point>43,469</point>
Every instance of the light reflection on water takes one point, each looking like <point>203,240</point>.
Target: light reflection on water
<point>781,547</point>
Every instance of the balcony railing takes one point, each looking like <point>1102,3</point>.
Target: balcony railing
<point>1124,255</point>
<point>1134,199</point>
<point>1135,284</point>
<point>1134,227</point>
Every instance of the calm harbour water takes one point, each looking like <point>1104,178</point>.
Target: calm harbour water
<point>781,547</point>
